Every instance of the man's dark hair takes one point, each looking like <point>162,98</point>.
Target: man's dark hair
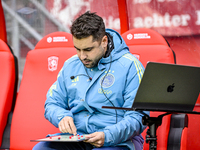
<point>88,24</point>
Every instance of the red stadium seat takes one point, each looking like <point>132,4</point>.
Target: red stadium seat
<point>8,84</point>
<point>193,135</point>
<point>148,45</point>
<point>40,71</point>
<point>3,35</point>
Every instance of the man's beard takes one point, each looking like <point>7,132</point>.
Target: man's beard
<point>92,64</point>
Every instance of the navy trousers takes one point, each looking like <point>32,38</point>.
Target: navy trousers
<point>71,146</point>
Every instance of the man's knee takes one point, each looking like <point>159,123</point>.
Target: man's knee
<point>42,146</point>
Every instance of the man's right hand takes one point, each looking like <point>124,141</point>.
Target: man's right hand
<point>66,125</point>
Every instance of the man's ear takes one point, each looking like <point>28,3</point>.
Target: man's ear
<point>104,41</point>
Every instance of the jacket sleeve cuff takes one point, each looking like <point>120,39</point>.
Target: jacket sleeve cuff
<point>60,117</point>
<point>108,138</point>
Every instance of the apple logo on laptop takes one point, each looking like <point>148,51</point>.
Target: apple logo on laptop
<point>170,88</point>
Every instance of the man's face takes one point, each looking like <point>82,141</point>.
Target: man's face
<point>89,51</point>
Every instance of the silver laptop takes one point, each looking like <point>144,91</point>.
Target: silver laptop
<point>167,87</point>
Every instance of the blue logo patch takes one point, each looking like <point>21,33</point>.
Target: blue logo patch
<point>107,81</point>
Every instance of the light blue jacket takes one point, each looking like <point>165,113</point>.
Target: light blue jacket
<point>83,99</point>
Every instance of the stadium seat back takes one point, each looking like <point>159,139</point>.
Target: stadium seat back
<point>193,137</point>
<point>3,35</point>
<point>7,84</point>
<point>148,45</point>
<point>40,72</point>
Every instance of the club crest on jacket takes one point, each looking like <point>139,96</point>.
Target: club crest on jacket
<point>108,80</point>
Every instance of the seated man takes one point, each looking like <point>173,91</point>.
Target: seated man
<point>103,73</point>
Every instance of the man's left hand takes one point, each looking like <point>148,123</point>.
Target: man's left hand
<point>96,139</point>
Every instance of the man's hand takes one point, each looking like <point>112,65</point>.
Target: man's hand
<point>66,125</point>
<point>96,139</point>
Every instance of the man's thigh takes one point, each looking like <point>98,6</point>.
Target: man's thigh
<point>63,146</point>
<point>111,148</point>
<point>71,146</point>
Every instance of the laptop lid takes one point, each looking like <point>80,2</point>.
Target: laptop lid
<point>168,87</point>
